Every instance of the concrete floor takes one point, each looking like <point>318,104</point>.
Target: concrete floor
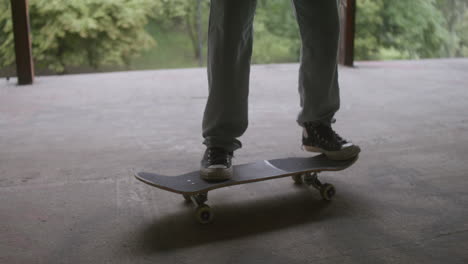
<point>69,146</point>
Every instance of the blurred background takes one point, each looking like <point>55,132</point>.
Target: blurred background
<point>114,35</point>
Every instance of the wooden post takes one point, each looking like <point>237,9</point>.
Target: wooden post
<point>199,33</point>
<point>21,32</point>
<point>348,24</point>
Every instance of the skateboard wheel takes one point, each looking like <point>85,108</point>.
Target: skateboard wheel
<point>327,191</point>
<point>204,214</point>
<point>297,178</point>
<point>187,198</point>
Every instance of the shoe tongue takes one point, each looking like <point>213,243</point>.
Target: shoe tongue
<point>219,155</point>
<point>326,131</point>
<point>221,151</point>
<point>218,151</point>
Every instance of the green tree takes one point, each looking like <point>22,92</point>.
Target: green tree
<point>189,16</point>
<point>276,33</point>
<point>196,22</point>
<point>93,32</point>
<point>368,26</point>
<point>463,29</point>
<point>455,13</point>
<point>7,56</point>
<point>399,29</point>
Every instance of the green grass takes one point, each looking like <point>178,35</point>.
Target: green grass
<point>173,50</point>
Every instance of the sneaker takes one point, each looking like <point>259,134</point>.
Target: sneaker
<point>216,165</point>
<point>321,138</point>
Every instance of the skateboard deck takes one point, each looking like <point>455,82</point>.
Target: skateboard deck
<point>195,189</point>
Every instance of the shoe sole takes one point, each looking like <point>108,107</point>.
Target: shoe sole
<point>344,154</point>
<point>216,174</point>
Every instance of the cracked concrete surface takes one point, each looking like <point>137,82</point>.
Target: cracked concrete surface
<point>69,146</point>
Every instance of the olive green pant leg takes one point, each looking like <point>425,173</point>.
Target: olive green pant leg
<point>318,78</point>
<point>229,53</point>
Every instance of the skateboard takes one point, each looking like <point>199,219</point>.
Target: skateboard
<point>302,170</point>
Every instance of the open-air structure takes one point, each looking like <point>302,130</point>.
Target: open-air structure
<point>25,61</point>
<point>70,144</point>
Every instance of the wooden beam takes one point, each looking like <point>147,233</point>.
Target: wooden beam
<point>21,32</point>
<point>347,35</point>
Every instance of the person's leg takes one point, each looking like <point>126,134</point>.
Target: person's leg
<point>230,39</point>
<point>318,80</point>
<point>229,52</point>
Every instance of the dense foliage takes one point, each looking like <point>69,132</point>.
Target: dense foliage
<point>115,32</point>
<point>93,32</point>
<point>401,29</point>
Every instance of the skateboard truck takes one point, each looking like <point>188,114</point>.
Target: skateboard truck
<point>327,190</point>
<point>203,212</point>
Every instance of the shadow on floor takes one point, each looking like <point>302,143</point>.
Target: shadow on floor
<point>248,218</point>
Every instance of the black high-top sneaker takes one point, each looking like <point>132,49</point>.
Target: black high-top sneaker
<point>216,165</point>
<point>318,137</point>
